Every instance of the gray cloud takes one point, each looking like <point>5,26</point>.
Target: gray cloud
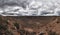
<point>29,8</point>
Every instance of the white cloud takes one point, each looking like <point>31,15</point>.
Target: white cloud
<point>38,8</point>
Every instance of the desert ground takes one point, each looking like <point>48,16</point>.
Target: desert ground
<point>25,25</point>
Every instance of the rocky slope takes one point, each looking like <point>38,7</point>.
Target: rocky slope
<point>29,25</point>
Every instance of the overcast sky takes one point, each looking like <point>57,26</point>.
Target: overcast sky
<point>30,8</point>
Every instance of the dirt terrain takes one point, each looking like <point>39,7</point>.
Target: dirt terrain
<point>30,25</point>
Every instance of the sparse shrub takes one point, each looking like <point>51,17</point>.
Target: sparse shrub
<point>3,27</point>
<point>0,18</point>
<point>33,33</point>
<point>30,33</point>
<point>52,33</point>
<point>41,33</point>
<point>22,32</point>
<point>17,25</point>
<point>57,22</point>
<point>8,32</point>
<point>6,22</point>
<point>27,33</point>
<point>1,33</point>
